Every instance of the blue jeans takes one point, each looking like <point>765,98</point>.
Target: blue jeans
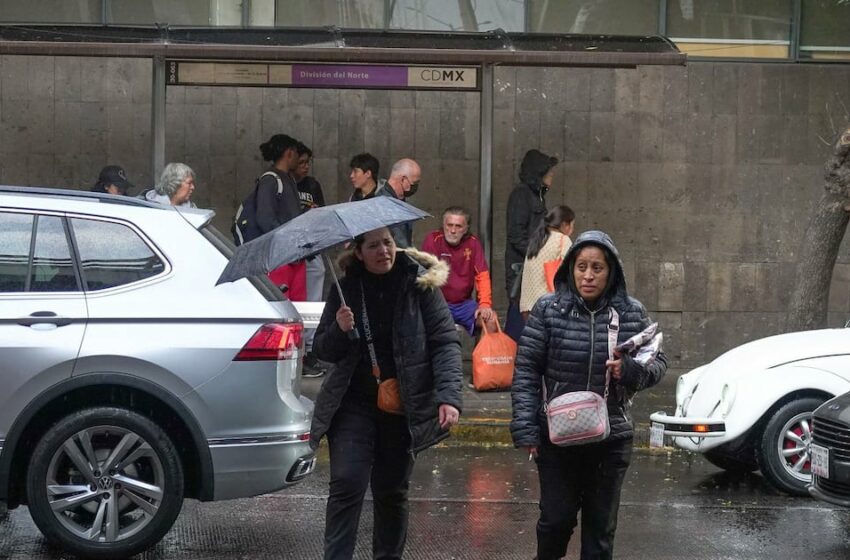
<point>315,291</point>
<point>367,445</point>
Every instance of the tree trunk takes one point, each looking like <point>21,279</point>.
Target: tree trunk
<point>821,242</point>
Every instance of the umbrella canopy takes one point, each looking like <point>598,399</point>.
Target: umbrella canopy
<point>314,231</point>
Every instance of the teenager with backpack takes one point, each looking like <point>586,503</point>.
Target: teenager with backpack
<point>276,205</point>
<point>274,202</point>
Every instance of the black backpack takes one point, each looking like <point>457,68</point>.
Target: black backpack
<point>245,227</point>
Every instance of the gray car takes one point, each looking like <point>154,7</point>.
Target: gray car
<point>129,380</point>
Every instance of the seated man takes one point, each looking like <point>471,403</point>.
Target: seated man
<point>468,269</point>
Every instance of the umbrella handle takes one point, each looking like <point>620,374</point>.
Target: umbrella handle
<point>353,335</point>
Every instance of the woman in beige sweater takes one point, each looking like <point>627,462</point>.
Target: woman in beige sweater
<point>550,241</point>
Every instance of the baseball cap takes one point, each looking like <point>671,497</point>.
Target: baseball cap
<point>113,175</point>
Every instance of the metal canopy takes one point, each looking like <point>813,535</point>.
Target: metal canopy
<point>340,45</point>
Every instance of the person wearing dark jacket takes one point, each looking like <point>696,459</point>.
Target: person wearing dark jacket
<point>363,176</point>
<point>526,207</point>
<point>402,184</point>
<point>276,206</point>
<point>278,202</point>
<point>565,346</point>
<point>406,333</point>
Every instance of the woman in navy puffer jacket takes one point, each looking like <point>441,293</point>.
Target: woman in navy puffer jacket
<point>565,345</point>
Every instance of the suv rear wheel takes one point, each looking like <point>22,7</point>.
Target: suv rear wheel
<point>104,483</point>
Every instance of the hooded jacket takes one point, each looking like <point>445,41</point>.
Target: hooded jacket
<point>152,196</point>
<point>565,345</point>
<point>526,208</point>
<point>426,347</point>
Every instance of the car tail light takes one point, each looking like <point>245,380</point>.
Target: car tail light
<point>273,341</point>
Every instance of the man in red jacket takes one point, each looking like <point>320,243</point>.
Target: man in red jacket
<point>468,270</point>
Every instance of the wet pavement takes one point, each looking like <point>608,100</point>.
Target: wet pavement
<point>481,503</point>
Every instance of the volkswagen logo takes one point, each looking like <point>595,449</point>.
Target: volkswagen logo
<point>105,482</point>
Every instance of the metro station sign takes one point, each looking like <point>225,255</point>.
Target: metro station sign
<point>337,76</point>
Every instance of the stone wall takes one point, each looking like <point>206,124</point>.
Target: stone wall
<point>63,118</point>
<point>704,175</point>
<point>218,131</point>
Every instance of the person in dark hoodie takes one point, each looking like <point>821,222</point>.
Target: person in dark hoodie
<point>564,348</point>
<point>407,339</point>
<point>525,210</point>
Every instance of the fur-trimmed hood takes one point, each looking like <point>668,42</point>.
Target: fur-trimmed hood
<point>431,272</point>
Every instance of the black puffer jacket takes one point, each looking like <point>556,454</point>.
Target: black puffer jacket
<point>526,208</point>
<point>426,348</point>
<point>566,344</point>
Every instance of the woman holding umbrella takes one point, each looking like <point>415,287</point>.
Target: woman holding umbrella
<point>408,342</point>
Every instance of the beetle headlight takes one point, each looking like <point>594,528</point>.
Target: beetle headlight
<point>727,398</point>
<point>685,386</point>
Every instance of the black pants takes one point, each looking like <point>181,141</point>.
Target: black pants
<point>514,323</point>
<point>587,478</point>
<point>367,445</point>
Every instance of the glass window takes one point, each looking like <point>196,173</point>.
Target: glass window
<point>51,11</point>
<point>113,254</point>
<point>731,28</point>
<point>613,17</point>
<point>458,15</point>
<point>16,233</point>
<point>363,14</point>
<point>825,29</point>
<point>52,266</point>
<point>185,12</point>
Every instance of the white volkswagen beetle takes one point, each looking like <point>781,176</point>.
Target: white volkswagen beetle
<point>751,408</point>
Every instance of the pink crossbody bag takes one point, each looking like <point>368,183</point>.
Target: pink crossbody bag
<point>581,417</point>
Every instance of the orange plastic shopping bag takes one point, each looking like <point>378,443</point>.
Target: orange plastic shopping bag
<point>493,361</point>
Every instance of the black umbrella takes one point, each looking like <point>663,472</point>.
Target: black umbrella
<point>312,232</point>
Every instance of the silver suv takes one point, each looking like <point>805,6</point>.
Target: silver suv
<point>129,380</point>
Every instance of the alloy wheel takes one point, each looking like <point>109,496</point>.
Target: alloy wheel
<point>794,442</point>
<point>105,484</point>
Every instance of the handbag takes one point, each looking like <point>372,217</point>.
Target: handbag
<point>389,390</point>
<point>581,417</point>
<point>550,267</point>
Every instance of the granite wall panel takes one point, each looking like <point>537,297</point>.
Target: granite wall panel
<point>704,175</point>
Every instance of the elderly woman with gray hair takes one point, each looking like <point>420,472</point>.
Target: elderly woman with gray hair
<point>175,186</point>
